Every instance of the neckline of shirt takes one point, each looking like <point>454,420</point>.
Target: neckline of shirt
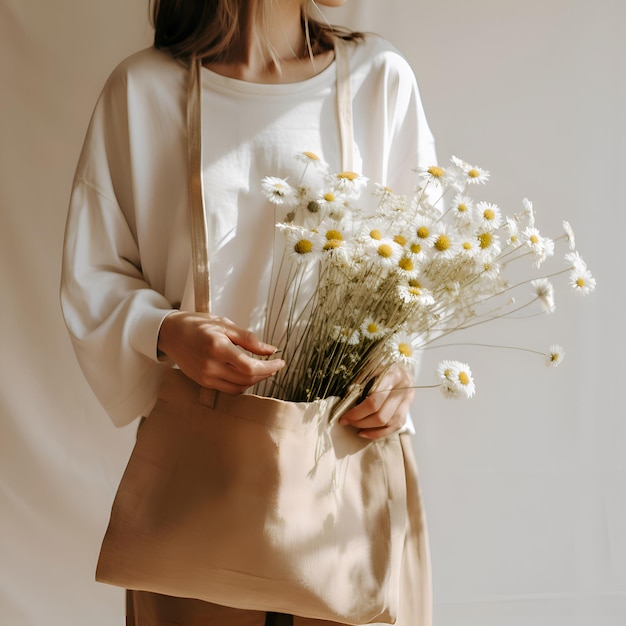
<point>314,83</point>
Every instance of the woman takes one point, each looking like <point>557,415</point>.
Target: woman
<point>268,93</point>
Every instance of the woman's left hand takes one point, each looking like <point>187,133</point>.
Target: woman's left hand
<point>386,408</point>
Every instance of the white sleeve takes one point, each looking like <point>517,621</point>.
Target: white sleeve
<point>111,311</point>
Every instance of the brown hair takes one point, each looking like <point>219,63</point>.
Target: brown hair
<point>219,30</point>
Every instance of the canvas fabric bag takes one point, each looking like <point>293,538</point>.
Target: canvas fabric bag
<point>253,502</point>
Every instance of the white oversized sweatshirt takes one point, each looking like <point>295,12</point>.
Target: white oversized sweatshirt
<point>127,253</point>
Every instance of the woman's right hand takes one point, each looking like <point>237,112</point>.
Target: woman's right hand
<point>211,351</point>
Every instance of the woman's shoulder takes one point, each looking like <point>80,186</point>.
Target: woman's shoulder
<point>377,64</point>
<point>146,69</point>
<point>375,51</point>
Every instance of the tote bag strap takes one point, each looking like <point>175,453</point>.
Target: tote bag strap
<point>199,232</point>
<point>344,105</point>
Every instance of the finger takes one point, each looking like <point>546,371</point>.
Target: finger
<point>393,412</point>
<point>224,377</point>
<point>380,433</point>
<point>247,340</point>
<point>250,367</point>
<point>371,404</point>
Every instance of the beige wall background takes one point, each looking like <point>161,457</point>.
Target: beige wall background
<point>525,484</point>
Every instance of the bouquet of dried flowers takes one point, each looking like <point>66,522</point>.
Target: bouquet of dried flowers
<point>368,278</point>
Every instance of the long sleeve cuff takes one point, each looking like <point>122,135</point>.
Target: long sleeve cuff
<point>144,332</point>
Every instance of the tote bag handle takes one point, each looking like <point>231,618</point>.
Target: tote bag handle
<point>199,232</point>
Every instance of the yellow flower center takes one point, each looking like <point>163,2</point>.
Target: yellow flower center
<point>554,357</point>
<point>435,171</point>
<point>461,208</point>
<point>415,283</point>
<point>415,248</point>
<point>485,240</point>
<point>348,175</point>
<point>415,291</point>
<point>332,244</point>
<point>334,235</point>
<point>311,155</point>
<point>534,239</point>
<point>400,240</point>
<point>487,267</point>
<point>467,245</point>
<point>405,350</point>
<point>385,251</point>
<point>443,243</point>
<point>376,234</point>
<point>447,373</point>
<point>464,378</point>
<point>580,282</point>
<point>489,214</point>
<point>513,238</point>
<point>423,232</point>
<point>304,246</point>
<point>372,328</point>
<point>473,173</point>
<point>406,264</point>
<point>329,197</point>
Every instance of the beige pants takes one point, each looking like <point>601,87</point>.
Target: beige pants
<point>151,609</point>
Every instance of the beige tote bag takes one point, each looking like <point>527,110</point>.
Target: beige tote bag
<point>253,502</point>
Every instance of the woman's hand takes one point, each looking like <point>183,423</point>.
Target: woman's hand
<point>210,350</point>
<point>386,408</point>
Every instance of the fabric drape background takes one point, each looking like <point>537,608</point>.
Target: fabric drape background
<point>525,485</point>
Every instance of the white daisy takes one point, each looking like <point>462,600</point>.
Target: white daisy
<point>456,379</point>
<point>415,250</point>
<point>401,349</point>
<point>488,216</point>
<point>424,231</point>
<point>331,202</point>
<point>385,252</point>
<point>302,245</point>
<point>373,330</point>
<point>488,242</point>
<point>461,209</point>
<point>310,158</point>
<point>581,281</point>
<point>569,233</point>
<point>488,268</point>
<point>576,260</point>
<point>373,230</point>
<point>512,228</point>
<point>473,174</point>
<point>382,190</point>
<point>540,246</point>
<point>468,247</point>
<point>335,245</point>
<point>407,267</point>
<point>445,243</point>
<point>555,355</point>
<point>414,293</point>
<point>349,183</point>
<point>279,191</point>
<point>544,291</point>
<point>435,174</point>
